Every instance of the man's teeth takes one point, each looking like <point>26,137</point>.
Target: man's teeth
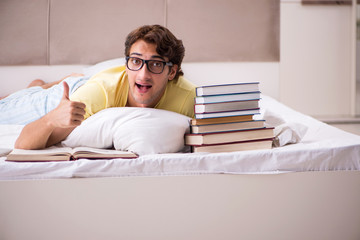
<point>142,86</point>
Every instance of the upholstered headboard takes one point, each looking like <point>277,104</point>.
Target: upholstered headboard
<point>61,32</point>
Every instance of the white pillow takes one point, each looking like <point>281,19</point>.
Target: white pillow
<point>92,70</point>
<point>140,130</point>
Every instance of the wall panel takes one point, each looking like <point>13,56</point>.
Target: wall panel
<point>23,32</point>
<point>92,31</point>
<point>87,31</point>
<point>227,30</point>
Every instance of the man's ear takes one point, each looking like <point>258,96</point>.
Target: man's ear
<point>173,71</point>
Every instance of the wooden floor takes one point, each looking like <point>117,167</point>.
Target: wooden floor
<point>347,123</point>
<point>352,128</point>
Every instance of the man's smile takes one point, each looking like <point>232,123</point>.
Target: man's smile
<point>143,88</point>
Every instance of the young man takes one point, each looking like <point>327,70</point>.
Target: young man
<point>152,78</point>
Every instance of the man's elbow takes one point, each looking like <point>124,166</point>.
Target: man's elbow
<point>27,144</point>
<point>19,144</point>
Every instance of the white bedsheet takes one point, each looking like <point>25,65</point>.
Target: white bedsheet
<point>323,148</point>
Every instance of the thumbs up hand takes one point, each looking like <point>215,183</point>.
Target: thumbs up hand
<point>68,113</point>
<point>66,91</point>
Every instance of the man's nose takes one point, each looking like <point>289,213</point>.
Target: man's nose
<point>144,72</point>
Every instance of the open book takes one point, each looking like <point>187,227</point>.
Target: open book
<point>66,154</point>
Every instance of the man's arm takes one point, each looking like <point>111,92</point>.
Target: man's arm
<point>54,126</point>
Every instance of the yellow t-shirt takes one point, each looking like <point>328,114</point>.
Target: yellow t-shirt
<point>110,88</point>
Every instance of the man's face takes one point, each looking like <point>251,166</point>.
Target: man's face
<point>145,87</point>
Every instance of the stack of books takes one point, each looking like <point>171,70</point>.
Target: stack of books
<point>224,119</point>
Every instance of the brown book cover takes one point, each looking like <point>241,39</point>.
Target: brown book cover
<point>234,146</point>
<point>221,120</point>
<point>228,136</point>
<point>231,126</point>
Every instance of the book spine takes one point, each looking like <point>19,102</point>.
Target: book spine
<point>224,88</point>
<point>227,97</point>
<point>227,114</point>
<point>226,106</point>
<point>199,91</point>
<point>231,131</point>
<point>229,84</point>
<point>246,141</point>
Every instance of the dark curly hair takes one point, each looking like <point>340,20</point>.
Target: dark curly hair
<point>167,45</point>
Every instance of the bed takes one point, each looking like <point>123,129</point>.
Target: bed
<point>307,187</point>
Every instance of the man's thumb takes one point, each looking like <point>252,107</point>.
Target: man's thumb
<point>66,91</point>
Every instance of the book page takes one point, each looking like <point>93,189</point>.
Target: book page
<point>98,150</point>
<point>88,152</point>
<point>47,151</point>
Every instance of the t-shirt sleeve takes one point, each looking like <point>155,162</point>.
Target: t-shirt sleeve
<point>93,95</point>
<point>188,105</point>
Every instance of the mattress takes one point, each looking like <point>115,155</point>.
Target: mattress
<point>319,148</point>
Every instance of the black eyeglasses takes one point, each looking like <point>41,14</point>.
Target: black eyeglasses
<point>154,66</point>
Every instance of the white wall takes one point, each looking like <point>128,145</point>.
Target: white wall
<point>315,58</point>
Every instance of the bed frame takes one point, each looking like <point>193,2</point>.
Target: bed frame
<point>304,205</point>
<point>296,205</point>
